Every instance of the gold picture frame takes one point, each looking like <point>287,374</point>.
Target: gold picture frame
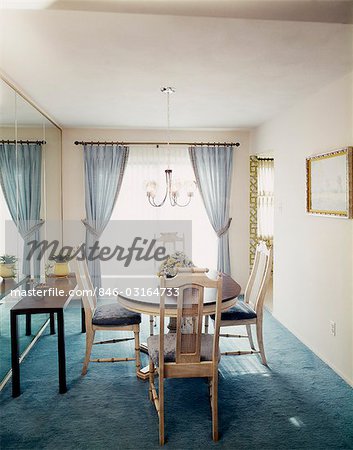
<point>329,184</point>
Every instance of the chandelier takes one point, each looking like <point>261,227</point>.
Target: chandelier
<point>172,189</point>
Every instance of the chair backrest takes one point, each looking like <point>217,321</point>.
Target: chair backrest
<point>188,286</point>
<point>85,286</point>
<point>256,287</point>
<point>171,239</point>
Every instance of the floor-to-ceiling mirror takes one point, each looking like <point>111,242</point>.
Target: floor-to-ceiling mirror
<point>30,207</point>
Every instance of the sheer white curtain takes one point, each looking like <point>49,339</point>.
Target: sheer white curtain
<point>265,198</point>
<point>149,163</point>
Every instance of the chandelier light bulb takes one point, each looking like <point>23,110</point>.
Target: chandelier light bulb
<point>151,188</point>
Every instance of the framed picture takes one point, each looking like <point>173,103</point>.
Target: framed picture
<point>329,183</point>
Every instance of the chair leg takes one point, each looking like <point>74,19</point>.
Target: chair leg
<point>207,319</point>
<point>89,342</point>
<point>214,407</point>
<point>161,410</point>
<point>210,391</point>
<point>260,341</point>
<point>151,325</point>
<point>151,379</point>
<point>249,333</point>
<point>137,348</point>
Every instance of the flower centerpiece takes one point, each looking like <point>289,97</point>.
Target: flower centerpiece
<point>7,266</point>
<point>170,266</point>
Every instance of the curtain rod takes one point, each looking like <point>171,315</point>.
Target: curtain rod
<point>4,141</point>
<point>265,159</point>
<point>237,144</point>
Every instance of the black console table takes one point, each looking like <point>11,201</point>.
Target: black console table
<point>43,304</point>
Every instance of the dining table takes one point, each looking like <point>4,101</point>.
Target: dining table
<point>144,298</point>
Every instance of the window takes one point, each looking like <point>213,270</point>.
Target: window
<point>265,198</point>
<point>146,164</point>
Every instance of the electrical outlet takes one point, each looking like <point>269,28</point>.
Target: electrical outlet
<point>333,328</point>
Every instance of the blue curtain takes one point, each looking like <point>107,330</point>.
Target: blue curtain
<point>20,178</point>
<point>213,165</point>
<point>104,171</point>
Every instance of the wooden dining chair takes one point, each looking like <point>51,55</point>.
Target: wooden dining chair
<point>187,353</point>
<point>249,311</point>
<point>105,317</point>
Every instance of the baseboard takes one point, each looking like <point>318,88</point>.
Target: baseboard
<point>302,340</point>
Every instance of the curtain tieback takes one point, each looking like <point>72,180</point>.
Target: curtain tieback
<point>224,230</point>
<point>90,228</point>
<point>33,229</point>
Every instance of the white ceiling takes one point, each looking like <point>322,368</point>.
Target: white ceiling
<point>105,69</point>
<point>332,11</point>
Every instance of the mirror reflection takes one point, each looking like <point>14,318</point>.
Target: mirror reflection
<point>30,208</point>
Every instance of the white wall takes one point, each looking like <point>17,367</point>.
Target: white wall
<point>73,185</point>
<point>313,255</point>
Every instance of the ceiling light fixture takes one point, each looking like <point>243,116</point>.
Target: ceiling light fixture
<point>172,189</point>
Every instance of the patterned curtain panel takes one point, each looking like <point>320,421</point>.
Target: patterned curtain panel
<point>104,170</point>
<point>20,178</point>
<point>213,166</point>
<point>265,199</point>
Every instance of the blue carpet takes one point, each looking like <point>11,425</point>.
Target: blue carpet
<point>297,403</point>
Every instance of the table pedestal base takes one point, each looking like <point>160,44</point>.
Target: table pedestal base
<point>144,373</point>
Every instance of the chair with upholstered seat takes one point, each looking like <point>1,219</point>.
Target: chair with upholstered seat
<point>187,353</point>
<point>105,317</point>
<point>249,310</point>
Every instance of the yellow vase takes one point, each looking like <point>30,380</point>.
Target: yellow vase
<point>7,270</point>
<point>61,269</point>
